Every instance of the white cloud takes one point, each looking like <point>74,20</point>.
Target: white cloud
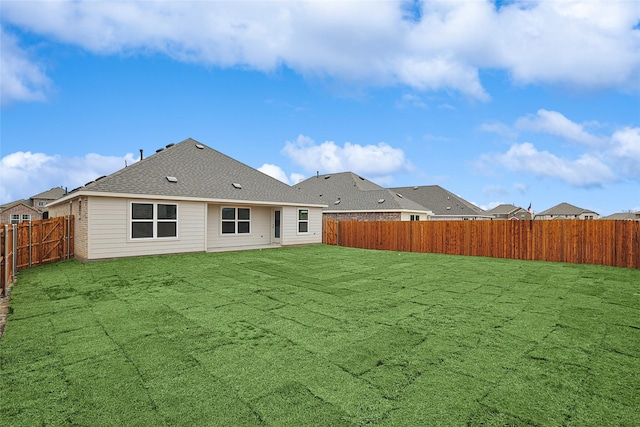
<point>555,123</point>
<point>585,171</point>
<point>21,79</point>
<point>24,174</point>
<point>378,161</point>
<point>498,128</point>
<point>625,151</point>
<point>276,172</point>
<point>585,44</point>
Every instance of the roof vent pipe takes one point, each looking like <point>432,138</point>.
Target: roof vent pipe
<point>141,155</point>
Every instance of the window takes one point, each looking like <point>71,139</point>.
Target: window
<point>26,217</point>
<point>153,220</point>
<point>236,221</point>
<point>415,217</point>
<point>15,218</point>
<point>40,203</point>
<point>303,220</point>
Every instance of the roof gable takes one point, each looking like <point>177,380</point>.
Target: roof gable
<point>199,172</point>
<point>504,209</point>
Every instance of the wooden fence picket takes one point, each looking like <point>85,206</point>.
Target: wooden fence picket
<point>602,242</point>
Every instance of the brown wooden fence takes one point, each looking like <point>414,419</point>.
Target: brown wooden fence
<point>32,243</point>
<point>603,242</point>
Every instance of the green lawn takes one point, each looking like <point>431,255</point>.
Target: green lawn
<point>323,336</point>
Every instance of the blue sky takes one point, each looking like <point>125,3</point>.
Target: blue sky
<point>530,102</point>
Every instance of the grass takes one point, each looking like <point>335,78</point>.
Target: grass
<point>322,336</point>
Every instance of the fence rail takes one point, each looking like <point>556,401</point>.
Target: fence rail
<point>602,242</point>
<point>32,243</point>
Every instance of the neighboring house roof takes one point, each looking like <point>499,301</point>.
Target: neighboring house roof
<point>52,194</point>
<point>624,215</point>
<point>505,209</point>
<point>198,172</point>
<point>440,201</point>
<point>10,205</point>
<point>347,191</point>
<point>565,209</point>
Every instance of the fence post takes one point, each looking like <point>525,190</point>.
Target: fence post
<point>67,237</point>
<point>5,261</point>
<point>30,243</point>
<point>15,253</point>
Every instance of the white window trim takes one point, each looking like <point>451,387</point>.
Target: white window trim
<point>302,220</point>
<point>236,220</point>
<point>155,221</point>
<point>14,219</point>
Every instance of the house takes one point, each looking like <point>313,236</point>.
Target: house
<point>507,211</point>
<point>630,216</point>
<point>353,198</point>
<point>444,204</point>
<point>566,211</point>
<point>187,197</point>
<point>29,209</point>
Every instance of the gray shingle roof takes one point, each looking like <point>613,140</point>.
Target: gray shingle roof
<point>504,209</point>
<point>52,194</point>
<point>355,193</point>
<point>624,215</point>
<point>564,209</point>
<point>10,205</point>
<point>440,201</point>
<point>201,172</point>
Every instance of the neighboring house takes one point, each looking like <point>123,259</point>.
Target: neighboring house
<point>31,209</point>
<point>444,204</point>
<point>353,198</point>
<point>507,211</point>
<point>566,211</point>
<point>41,200</point>
<point>632,216</point>
<point>187,198</point>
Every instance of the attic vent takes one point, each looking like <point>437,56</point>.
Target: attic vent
<point>159,150</point>
<point>415,187</point>
<point>381,201</point>
<point>400,195</point>
<point>361,178</point>
<point>448,208</point>
<point>199,146</point>
<point>172,179</point>
<point>236,185</point>
<point>327,177</point>
<point>337,202</point>
<point>170,145</point>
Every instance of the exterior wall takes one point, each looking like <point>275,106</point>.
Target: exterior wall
<point>260,229</point>
<point>102,228</point>
<point>367,216</point>
<point>406,216</point>
<point>289,228</point>
<point>5,217</point>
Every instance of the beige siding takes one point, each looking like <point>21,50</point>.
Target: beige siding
<point>109,227</point>
<point>406,216</point>
<point>260,234</point>
<point>290,235</point>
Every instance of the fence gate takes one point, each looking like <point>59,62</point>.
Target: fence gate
<point>32,243</point>
<point>330,229</point>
